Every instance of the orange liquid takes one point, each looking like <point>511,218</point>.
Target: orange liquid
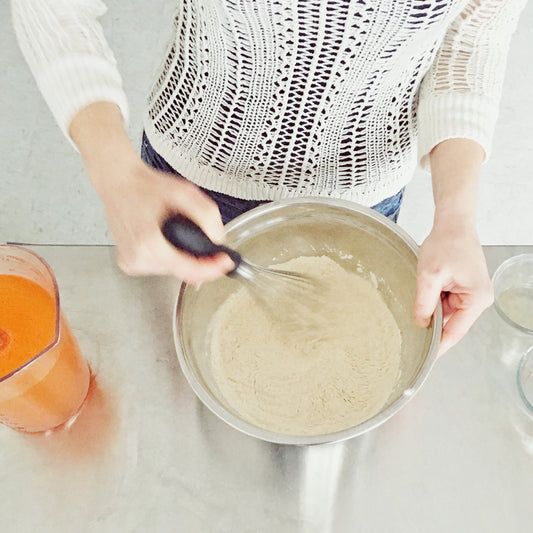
<point>52,388</point>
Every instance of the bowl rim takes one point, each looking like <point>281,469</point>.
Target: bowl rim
<point>326,438</point>
<point>502,267</point>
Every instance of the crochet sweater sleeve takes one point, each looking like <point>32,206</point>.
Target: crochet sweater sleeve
<point>460,94</point>
<point>68,55</point>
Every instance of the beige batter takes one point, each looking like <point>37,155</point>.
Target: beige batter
<point>287,384</point>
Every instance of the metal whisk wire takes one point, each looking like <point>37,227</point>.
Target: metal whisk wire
<point>287,296</point>
<point>290,297</point>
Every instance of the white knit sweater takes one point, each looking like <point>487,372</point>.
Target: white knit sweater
<point>264,99</point>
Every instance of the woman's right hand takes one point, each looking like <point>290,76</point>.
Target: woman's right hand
<point>137,199</point>
<point>136,204</point>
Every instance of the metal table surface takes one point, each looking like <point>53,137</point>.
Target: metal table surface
<point>145,455</point>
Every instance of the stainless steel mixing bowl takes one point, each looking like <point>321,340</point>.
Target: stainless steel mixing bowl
<point>357,238</point>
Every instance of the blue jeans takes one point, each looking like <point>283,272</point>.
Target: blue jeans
<point>231,207</point>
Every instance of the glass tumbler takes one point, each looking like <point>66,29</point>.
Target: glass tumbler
<point>513,291</point>
<point>524,379</point>
<point>513,300</point>
<point>41,385</point>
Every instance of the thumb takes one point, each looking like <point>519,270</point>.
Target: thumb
<point>428,290</point>
<point>456,328</point>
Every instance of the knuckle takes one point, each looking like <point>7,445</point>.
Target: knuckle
<point>428,274</point>
<point>186,187</point>
<point>428,284</point>
<point>206,207</point>
<point>134,262</point>
<point>192,197</point>
<point>126,267</point>
<point>211,209</point>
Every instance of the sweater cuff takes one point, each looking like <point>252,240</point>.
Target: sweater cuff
<point>454,115</point>
<point>78,81</point>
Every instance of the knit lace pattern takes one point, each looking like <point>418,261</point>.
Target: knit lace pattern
<point>266,99</point>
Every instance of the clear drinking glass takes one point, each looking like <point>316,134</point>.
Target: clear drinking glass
<point>40,389</point>
<point>513,300</point>
<point>513,291</point>
<point>524,379</point>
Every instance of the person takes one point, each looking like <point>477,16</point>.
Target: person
<point>261,100</point>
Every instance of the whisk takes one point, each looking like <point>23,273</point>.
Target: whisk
<point>290,297</point>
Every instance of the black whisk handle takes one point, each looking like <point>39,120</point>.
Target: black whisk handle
<point>188,237</point>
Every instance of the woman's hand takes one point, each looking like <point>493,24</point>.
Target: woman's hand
<point>137,199</point>
<point>137,202</point>
<point>452,267</point>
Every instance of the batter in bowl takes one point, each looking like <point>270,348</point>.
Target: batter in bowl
<point>289,384</point>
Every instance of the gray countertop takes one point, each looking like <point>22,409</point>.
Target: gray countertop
<point>145,455</point>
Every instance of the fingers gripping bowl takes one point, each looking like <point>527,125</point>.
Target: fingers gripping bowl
<point>356,238</point>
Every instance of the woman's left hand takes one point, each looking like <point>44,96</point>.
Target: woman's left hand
<point>451,266</point>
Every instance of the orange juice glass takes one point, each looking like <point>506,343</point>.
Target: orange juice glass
<point>44,379</point>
